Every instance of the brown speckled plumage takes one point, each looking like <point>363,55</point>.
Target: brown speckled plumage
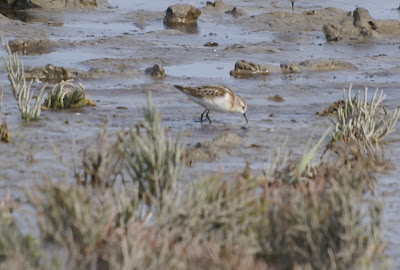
<point>206,91</point>
<point>216,98</point>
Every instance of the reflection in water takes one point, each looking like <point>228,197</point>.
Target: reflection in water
<point>33,16</point>
<point>200,70</point>
<point>190,28</point>
<point>13,14</point>
<point>32,46</point>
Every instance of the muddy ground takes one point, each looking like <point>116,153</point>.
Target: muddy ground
<point>108,50</point>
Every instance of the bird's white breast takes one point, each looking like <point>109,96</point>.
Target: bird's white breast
<point>218,104</point>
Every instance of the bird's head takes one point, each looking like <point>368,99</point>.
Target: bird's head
<point>241,106</point>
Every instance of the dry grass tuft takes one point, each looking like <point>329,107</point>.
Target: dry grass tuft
<point>152,159</point>
<point>4,133</point>
<point>101,163</point>
<point>22,92</point>
<point>215,209</point>
<point>323,217</point>
<point>321,226</point>
<point>17,251</point>
<point>363,122</point>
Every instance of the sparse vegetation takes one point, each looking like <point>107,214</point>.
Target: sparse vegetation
<point>17,251</point>
<point>323,221</point>
<point>362,121</point>
<point>152,159</point>
<point>22,91</point>
<point>101,163</point>
<point>301,214</point>
<point>4,133</point>
<point>63,96</point>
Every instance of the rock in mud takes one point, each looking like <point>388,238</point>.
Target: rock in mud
<point>211,44</point>
<point>362,18</point>
<point>332,32</point>
<point>362,27</point>
<point>46,4</point>
<point>245,69</point>
<point>331,109</point>
<point>337,24</point>
<point>181,14</point>
<point>235,12</point>
<point>290,68</point>
<point>216,4</point>
<point>31,46</point>
<point>52,73</point>
<point>276,98</point>
<point>156,71</point>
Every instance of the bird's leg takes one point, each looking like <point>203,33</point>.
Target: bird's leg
<point>208,117</point>
<point>201,118</point>
<point>293,7</point>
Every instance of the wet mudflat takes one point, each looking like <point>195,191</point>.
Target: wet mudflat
<point>108,50</point>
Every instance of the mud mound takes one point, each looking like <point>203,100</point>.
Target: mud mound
<point>245,69</point>
<point>361,26</point>
<point>32,46</point>
<point>337,24</point>
<point>45,4</point>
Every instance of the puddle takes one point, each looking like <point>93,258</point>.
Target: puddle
<point>17,15</point>
<point>65,58</point>
<point>201,70</point>
<point>129,5</point>
<point>101,28</point>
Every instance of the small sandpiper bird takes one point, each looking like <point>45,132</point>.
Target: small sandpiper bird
<point>217,98</point>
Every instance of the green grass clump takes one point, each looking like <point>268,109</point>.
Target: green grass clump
<point>63,96</point>
<point>363,122</point>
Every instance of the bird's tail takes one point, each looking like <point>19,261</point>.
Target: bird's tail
<point>179,87</point>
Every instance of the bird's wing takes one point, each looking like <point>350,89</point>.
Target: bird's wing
<point>206,91</point>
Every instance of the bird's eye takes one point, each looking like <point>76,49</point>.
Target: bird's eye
<point>243,107</point>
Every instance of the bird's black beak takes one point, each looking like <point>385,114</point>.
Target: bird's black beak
<point>247,121</point>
